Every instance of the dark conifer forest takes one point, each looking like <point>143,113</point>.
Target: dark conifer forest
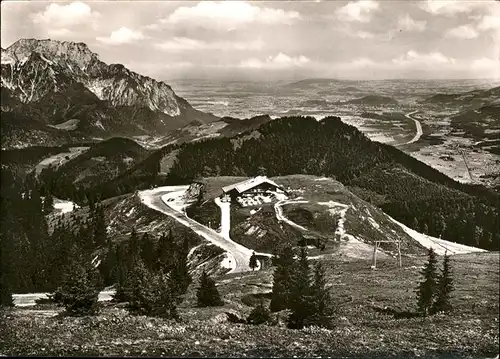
<point>407,189</point>
<point>412,192</point>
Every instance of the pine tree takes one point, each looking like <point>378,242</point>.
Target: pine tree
<point>48,204</point>
<point>165,250</point>
<point>444,287</point>
<point>253,261</point>
<point>300,294</point>
<point>80,289</point>
<point>426,289</point>
<point>108,265</point>
<point>148,251</point>
<point>179,273</point>
<point>259,315</point>
<point>139,288</point>
<point>134,249</point>
<point>415,225</point>
<point>323,310</point>
<point>282,280</point>
<point>62,241</point>
<point>100,234</point>
<point>166,300</point>
<point>121,273</point>
<point>207,294</point>
<point>6,270</point>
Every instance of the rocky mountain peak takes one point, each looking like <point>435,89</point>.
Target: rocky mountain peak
<point>59,81</point>
<point>52,51</point>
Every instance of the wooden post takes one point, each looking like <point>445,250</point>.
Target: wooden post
<point>399,254</point>
<point>374,260</point>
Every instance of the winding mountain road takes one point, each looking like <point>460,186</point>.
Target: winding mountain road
<point>169,201</point>
<point>419,128</point>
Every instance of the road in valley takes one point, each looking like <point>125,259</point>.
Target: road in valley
<point>419,128</point>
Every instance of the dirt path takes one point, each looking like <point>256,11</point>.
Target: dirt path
<point>419,128</point>
<point>281,217</point>
<point>225,209</point>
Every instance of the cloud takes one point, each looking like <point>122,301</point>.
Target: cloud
<point>413,58</point>
<point>58,16</point>
<point>408,24</point>
<point>487,67</point>
<point>280,61</point>
<point>122,36</point>
<point>180,44</point>
<point>362,62</point>
<point>230,14</point>
<point>365,35</point>
<point>360,11</point>
<point>490,22</point>
<point>462,32</point>
<point>450,7</point>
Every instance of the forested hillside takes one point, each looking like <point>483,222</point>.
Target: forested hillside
<point>405,188</point>
<point>412,192</point>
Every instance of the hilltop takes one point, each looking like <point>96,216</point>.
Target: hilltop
<point>321,212</point>
<point>312,83</point>
<point>473,99</point>
<point>372,100</point>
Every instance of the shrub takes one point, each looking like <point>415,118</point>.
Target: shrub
<point>259,315</point>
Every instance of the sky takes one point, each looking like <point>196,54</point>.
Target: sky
<point>274,40</point>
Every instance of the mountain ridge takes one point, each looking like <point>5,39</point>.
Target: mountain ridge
<point>56,81</point>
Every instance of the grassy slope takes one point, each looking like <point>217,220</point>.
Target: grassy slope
<point>471,331</point>
<point>262,231</point>
<point>103,161</point>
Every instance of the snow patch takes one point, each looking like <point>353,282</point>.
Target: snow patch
<point>440,246</point>
<point>129,213</point>
<point>373,223</point>
<point>98,123</point>
<point>253,211</point>
<point>228,261</point>
<point>64,206</point>
<point>251,230</point>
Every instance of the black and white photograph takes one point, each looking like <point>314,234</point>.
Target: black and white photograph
<point>250,179</point>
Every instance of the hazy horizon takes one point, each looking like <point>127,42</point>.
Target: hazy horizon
<point>274,40</point>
